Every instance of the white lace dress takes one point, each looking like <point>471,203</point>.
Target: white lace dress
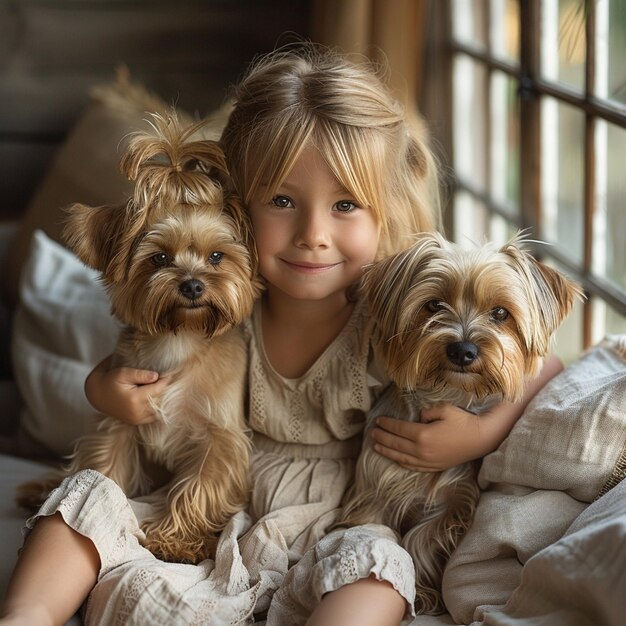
<point>275,561</point>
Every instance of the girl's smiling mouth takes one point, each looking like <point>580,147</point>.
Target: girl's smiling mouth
<point>309,268</point>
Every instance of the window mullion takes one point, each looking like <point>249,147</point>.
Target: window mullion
<point>488,126</point>
<point>530,175</point>
<point>590,178</point>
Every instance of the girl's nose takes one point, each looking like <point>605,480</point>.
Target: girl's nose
<point>312,231</point>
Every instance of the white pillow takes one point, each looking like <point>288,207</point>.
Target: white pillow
<point>572,435</point>
<point>62,328</point>
<point>567,449</point>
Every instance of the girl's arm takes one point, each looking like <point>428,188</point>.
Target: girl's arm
<point>123,392</point>
<point>448,436</point>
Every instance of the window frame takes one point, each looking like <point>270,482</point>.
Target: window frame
<point>436,103</point>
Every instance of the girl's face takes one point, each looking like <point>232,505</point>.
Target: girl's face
<point>312,237</point>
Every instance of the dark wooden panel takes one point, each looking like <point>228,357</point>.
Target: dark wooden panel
<point>22,166</point>
<point>53,52</point>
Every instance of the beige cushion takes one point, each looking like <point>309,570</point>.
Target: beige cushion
<point>86,169</point>
<point>567,449</point>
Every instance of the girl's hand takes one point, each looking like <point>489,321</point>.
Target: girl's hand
<point>447,436</point>
<point>124,392</point>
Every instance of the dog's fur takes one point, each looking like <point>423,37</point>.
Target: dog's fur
<point>465,327</point>
<point>179,266</point>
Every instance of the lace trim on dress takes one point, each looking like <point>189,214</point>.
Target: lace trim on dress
<point>321,404</point>
<point>133,591</point>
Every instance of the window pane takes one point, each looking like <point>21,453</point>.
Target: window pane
<point>505,142</point>
<point>563,41</point>
<point>501,230</point>
<point>611,50</point>
<point>468,22</point>
<point>609,227</point>
<point>569,337</point>
<point>562,193</point>
<point>469,120</point>
<point>606,321</point>
<point>474,224</point>
<point>617,51</point>
<point>470,220</point>
<point>615,323</point>
<point>505,29</point>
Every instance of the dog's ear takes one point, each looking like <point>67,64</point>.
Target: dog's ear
<point>101,237</point>
<point>551,294</point>
<point>386,282</point>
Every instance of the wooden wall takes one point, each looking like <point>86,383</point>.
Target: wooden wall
<point>53,51</point>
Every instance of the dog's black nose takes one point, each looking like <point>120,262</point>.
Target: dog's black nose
<point>191,289</point>
<point>462,352</point>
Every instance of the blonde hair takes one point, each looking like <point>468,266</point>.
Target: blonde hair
<point>294,97</point>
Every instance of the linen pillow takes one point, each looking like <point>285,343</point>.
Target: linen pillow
<point>566,450</point>
<point>572,436</point>
<point>62,328</point>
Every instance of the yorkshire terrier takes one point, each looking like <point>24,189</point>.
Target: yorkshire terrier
<point>464,327</point>
<point>178,263</point>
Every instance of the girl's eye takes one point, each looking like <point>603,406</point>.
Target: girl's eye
<point>434,306</point>
<point>215,258</point>
<point>282,202</point>
<point>161,259</point>
<point>499,314</point>
<point>345,206</point>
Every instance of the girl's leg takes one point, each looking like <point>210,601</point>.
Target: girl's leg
<point>366,602</point>
<point>55,572</point>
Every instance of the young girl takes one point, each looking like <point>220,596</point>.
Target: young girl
<point>333,179</point>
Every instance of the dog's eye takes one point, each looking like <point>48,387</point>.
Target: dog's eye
<point>215,258</point>
<point>434,306</point>
<point>499,314</point>
<point>161,259</point>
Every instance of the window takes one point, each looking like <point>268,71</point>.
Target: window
<point>527,99</point>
